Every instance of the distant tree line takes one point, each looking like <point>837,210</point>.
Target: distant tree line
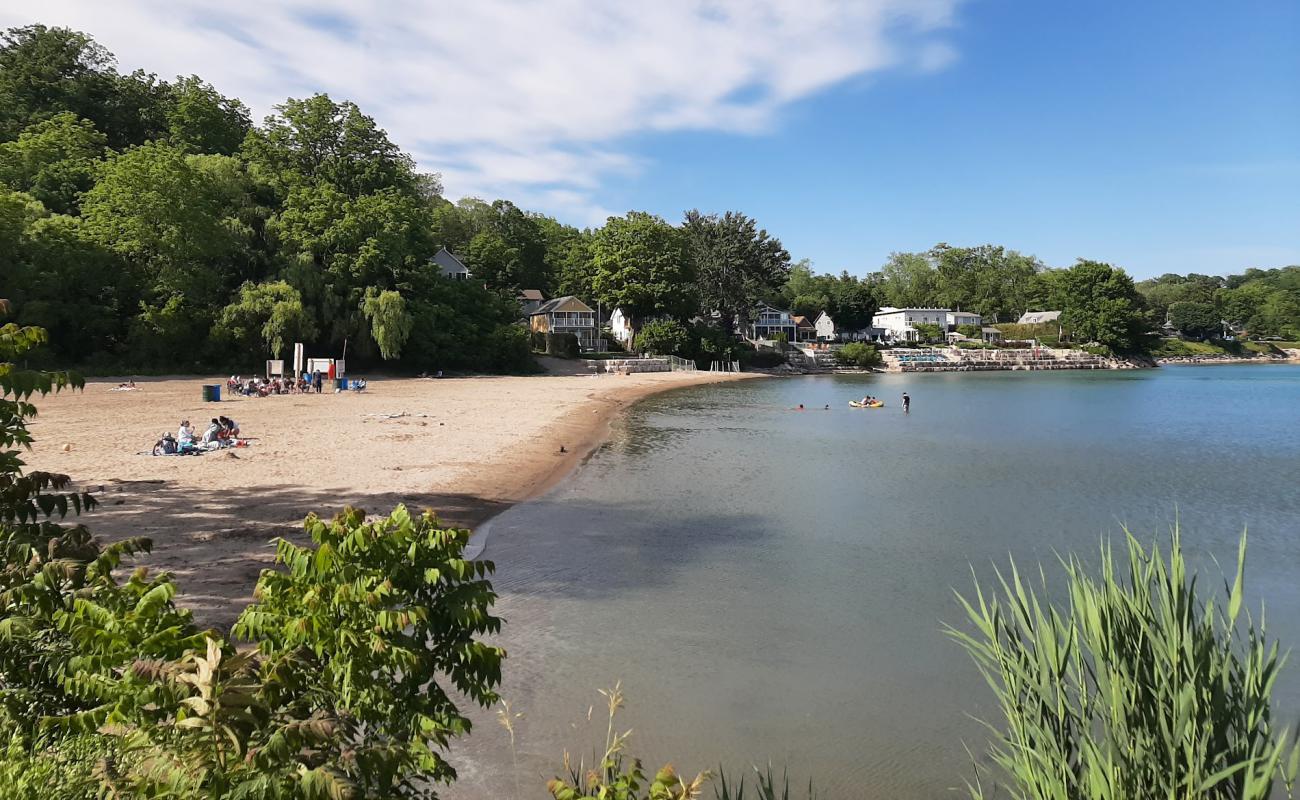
<point>1257,303</point>
<point>151,224</point>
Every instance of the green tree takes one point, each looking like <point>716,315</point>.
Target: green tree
<point>1197,320</point>
<point>154,208</point>
<point>340,247</point>
<point>317,140</point>
<point>909,280</point>
<point>736,264</point>
<point>390,322</point>
<point>852,303</point>
<point>639,264</point>
<point>201,120</point>
<point>664,338</point>
<point>53,160</point>
<point>47,71</point>
<point>266,318</point>
<point>988,279</point>
<point>808,305</point>
<point>1099,303</point>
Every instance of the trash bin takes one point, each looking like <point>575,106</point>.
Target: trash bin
<point>212,393</point>
<point>343,384</point>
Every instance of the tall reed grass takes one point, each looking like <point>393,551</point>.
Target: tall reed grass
<point>1134,689</point>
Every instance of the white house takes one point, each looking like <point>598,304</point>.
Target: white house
<point>956,318</point>
<point>825,327</point>
<point>769,322</point>
<point>621,325</point>
<point>900,323</point>
<point>450,266</point>
<point>828,332</point>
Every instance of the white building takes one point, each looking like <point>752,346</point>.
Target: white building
<point>621,325</point>
<point>450,266</point>
<point>956,318</point>
<point>827,331</point>
<point>900,323</point>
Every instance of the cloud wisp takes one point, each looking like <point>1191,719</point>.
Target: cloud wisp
<point>531,100</point>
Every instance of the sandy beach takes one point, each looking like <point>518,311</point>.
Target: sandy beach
<point>466,447</point>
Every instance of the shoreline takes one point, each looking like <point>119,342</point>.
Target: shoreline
<point>469,448</point>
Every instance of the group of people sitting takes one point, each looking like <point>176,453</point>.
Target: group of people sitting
<point>304,384</point>
<point>221,432</point>
<point>262,387</point>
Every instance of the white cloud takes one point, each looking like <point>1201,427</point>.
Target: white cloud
<point>520,98</point>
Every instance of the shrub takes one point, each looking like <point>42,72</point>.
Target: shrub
<point>664,338</point>
<point>970,331</point>
<point>364,621</point>
<point>1136,689</point>
<point>507,348</point>
<point>858,354</point>
<point>929,331</point>
<point>560,345</point>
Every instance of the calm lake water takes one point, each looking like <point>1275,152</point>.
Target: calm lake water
<point>770,585</point>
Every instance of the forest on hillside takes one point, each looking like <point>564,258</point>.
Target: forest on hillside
<point>152,225</point>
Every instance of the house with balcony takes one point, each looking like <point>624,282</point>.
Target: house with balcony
<point>769,322</point>
<point>566,314</point>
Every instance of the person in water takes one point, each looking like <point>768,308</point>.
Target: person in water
<point>907,402</point>
<point>800,408</point>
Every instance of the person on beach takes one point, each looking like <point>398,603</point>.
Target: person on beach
<point>230,428</point>
<point>907,403</point>
<point>213,433</point>
<point>185,434</point>
<point>317,381</point>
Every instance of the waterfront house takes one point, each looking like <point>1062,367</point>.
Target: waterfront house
<point>450,266</point>
<point>958,318</point>
<point>827,331</point>
<point>530,299</point>
<point>566,314</point>
<point>900,323</point>
<point>1039,317</point>
<point>991,334</point>
<point>769,322</point>
<point>804,330</point>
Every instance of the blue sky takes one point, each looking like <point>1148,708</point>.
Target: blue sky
<point>1159,136</point>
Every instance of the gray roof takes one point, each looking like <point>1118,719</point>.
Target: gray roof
<point>531,294</point>
<point>551,305</point>
<point>1039,317</point>
<point>448,262</point>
